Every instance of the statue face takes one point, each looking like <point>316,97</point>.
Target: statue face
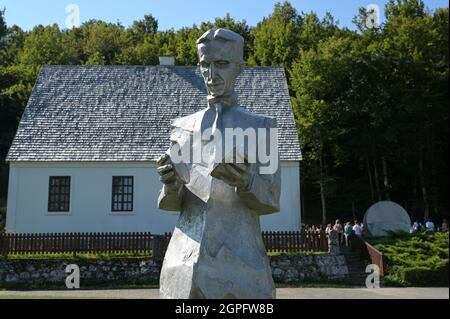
<point>219,73</point>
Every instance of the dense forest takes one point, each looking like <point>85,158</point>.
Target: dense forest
<point>371,104</point>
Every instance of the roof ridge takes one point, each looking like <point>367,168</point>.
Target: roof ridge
<point>146,66</point>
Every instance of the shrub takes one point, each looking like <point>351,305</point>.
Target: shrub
<point>415,260</point>
<point>424,276</point>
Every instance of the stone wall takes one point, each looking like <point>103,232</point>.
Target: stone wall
<point>292,268</point>
<point>93,272</point>
<point>117,272</point>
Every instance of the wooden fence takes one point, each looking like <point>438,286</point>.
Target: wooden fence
<point>74,242</point>
<point>139,242</point>
<point>295,241</point>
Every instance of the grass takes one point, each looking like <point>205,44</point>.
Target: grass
<point>85,285</point>
<point>50,297</point>
<point>77,256</point>
<point>316,284</point>
<point>111,255</point>
<point>301,253</point>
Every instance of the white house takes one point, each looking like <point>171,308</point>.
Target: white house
<point>84,156</point>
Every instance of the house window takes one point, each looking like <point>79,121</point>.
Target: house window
<point>122,194</point>
<point>59,194</point>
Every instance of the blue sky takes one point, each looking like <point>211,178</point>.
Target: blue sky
<point>176,13</point>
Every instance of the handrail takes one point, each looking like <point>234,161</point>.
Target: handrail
<point>377,257</point>
<point>367,251</point>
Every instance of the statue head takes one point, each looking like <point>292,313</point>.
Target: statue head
<point>221,58</point>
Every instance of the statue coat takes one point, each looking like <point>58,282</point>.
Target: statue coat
<point>216,250</point>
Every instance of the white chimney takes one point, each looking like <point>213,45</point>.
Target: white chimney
<point>166,60</point>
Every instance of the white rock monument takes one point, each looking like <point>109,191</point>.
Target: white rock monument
<point>386,216</point>
<point>216,250</point>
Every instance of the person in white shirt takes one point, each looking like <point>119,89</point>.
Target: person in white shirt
<point>357,229</point>
<point>429,225</point>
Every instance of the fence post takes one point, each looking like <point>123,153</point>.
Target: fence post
<point>269,246</point>
<point>3,249</point>
<point>159,246</point>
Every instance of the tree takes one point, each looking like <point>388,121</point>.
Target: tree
<point>3,31</point>
<point>145,26</point>
<point>16,83</point>
<point>3,28</point>
<point>376,101</point>
<point>314,30</point>
<point>107,39</point>
<point>276,38</point>
<point>48,45</point>
<point>13,46</point>
<point>318,73</point>
<point>417,43</point>
<point>186,48</point>
<point>318,77</point>
<point>140,29</point>
<point>142,54</point>
<point>96,59</point>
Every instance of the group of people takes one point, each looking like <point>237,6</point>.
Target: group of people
<point>429,226</point>
<point>345,231</point>
<point>312,229</point>
<point>348,230</point>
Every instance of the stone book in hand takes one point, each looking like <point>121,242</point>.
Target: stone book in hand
<point>235,156</point>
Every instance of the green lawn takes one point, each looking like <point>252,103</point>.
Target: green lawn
<point>49,297</point>
<point>78,256</point>
<point>302,253</point>
<point>325,284</point>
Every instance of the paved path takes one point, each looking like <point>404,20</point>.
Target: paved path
<point>282,293</point>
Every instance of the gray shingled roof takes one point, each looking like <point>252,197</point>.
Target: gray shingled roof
<point>123,113</point>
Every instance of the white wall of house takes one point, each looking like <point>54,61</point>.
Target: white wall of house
<point>90,199</point>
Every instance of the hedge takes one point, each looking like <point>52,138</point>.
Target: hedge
<point>415,260</point>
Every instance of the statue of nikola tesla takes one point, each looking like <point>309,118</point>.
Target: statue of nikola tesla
<point>216,250</point>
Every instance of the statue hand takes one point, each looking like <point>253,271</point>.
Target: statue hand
<point>237,175</point>
<point>166,170</point>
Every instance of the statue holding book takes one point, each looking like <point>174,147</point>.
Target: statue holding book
<point>215,176</point>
